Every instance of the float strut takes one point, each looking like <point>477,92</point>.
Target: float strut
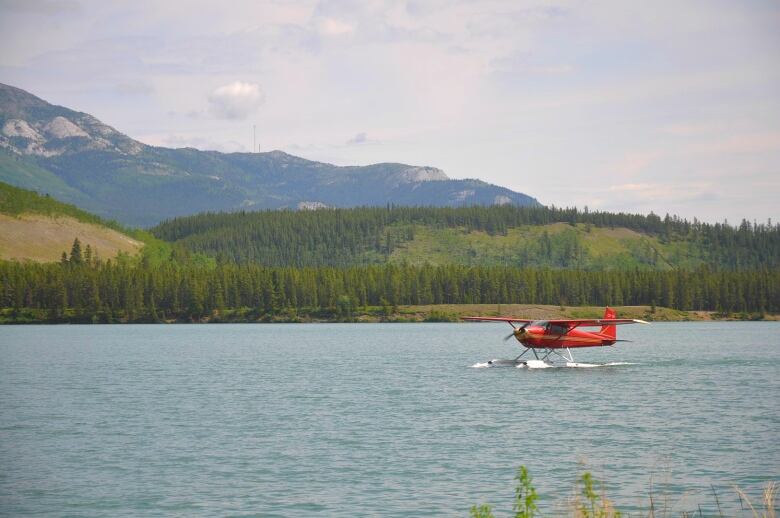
<point>521,355</point>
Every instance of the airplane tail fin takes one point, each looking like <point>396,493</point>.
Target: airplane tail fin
<point>610,331</point>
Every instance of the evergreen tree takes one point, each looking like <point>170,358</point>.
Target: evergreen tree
<point>75,252</point>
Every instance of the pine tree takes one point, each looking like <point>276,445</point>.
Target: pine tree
<point>75,252</point>
<point>88,255</point>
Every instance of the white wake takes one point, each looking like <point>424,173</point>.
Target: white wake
<point>539,364</point>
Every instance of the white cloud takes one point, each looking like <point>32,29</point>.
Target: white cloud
<point>137,88</point>
<point>659,197</point>
<point>694,129</point>
<point>180,141</point>
<point>749,143</point>
<point>237,100</point>
<point>360,138</point>
<point>634,163</point>
<point>334,27</point>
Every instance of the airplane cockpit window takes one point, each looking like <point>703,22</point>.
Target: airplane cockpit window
<point>558,329</point>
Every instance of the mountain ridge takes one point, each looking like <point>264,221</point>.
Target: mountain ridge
<point>106,172</point>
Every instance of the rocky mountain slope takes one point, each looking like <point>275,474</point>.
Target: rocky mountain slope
<point>83,161</point>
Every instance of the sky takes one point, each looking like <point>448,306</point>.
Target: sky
<point>664,106</point>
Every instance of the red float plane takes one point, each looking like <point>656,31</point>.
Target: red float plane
<point>547,337</point>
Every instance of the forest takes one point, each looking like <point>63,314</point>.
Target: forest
<point>363,236</point>
<point>82,289</point>
<point>278,265</point>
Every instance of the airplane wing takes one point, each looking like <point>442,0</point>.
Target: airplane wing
<point>497,319</point>
<point>569,323</point>
<point>578,322</point>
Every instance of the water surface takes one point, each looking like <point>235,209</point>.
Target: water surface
<point>374,419</point>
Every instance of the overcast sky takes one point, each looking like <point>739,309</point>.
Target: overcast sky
<point>631,106</point>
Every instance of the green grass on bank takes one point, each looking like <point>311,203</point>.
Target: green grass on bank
<point>589,500</point>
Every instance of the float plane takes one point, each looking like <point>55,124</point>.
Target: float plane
<point>545,338</point>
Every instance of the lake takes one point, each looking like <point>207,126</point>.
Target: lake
<point>377,419</point>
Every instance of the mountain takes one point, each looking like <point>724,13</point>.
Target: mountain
<point>39,228</point>
<point>77,158</point>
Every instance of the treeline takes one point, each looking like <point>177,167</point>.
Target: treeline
<point>121,290</point>
<point>348,237</point>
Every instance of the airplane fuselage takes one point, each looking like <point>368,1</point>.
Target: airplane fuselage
<point>550,338</point>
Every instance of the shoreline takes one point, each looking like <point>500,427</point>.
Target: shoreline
<point>388,314</point>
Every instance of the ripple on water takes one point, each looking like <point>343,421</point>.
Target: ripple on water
<point>344,420</point>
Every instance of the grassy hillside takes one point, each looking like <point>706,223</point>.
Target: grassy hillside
<point>21,171</point>
<point>571,246</point>
<point>40,228</point>
<point>15,201</point>
<point>41,238</point>
<point>535,237</point>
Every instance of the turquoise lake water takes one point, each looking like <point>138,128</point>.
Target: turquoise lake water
<point>376,419</point>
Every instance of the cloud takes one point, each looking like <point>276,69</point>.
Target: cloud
<point>134,88</point>
<point>763,142</point>
<point>693,129</point>
<point>523,64</point>
<point>649,194</point>
<point>360,138</point>
<point>237,100</point>
<point>179,141</point>
<point>633,163</point>
<point>334,27</point>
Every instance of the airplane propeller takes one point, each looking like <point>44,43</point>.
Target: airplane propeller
<point>517,331</point>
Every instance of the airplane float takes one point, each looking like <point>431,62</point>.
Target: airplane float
<point>545,338</point>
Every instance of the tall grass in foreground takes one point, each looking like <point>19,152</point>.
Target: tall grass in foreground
<point>587,502</point>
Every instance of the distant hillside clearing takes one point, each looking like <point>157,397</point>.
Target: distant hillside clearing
<point>41,238</point>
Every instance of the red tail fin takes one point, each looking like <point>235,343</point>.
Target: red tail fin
<point>610,331</point>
